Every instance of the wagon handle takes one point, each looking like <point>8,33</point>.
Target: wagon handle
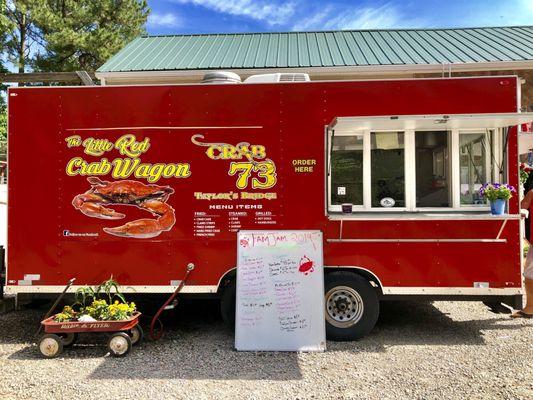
<point>69,284</point>
<point>157,335</point>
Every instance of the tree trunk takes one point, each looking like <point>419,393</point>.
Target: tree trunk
<point>22,44</point>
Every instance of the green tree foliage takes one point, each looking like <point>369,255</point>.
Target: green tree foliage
<point>4,29</point>
<point>5,25</point>
<point>68,35</point>
<point>3,124</point>
<point>20,34</point>
<point>65,35</point>
<point>82,35</point>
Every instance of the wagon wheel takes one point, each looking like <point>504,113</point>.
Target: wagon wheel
<point>50,345</point>
<point>68,339</point>
<point>119,344</point>
<point>136,334</point>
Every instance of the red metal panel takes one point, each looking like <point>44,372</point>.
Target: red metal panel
<point>286,124</point>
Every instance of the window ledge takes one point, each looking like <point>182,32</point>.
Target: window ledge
<point>393,216</point>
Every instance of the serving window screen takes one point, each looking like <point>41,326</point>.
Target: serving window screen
<point>473,164</point>
<point>387,166</point>
<point>347,170</point>
<point>433,169</point>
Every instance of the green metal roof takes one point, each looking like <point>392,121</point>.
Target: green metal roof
<point>324,49</point>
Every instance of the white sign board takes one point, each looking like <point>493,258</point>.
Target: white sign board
<point>280,291</point>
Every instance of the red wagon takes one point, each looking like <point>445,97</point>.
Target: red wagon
<point>124,334</point>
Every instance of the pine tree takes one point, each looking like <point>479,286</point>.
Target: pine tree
<point>20,35</point>
<point>82,35</point>
<point>5,27</point>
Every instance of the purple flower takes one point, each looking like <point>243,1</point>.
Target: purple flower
<point>494,191</point>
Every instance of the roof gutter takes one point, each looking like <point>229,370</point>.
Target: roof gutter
<point>125,77</point>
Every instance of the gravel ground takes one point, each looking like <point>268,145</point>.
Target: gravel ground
<point>427,351</point>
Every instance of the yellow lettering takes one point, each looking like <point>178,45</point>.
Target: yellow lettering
<point>124,167</point>
<point>229,152</point>
<point>73,141</point>
<point>267,171</point>
<point>211,152</point>
<point>127,145</point>
<point>73,165</point>
<point>244,169</point>
<point>96,147</point>
<point>258,151</point>
<point>78,166</point>
<point>152,173</point>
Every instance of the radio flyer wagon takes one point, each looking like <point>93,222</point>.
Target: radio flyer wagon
<point>123,334</point>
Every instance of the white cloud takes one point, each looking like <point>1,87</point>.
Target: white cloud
<point>167,20</point>
<point>381,17</point>
<point>366,18</point>
<point>261,10</point>
<point>315,21</point>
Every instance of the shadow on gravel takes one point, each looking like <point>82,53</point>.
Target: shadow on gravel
<point>422,324</point>
<point>20,326</point>
<point>196,344</point>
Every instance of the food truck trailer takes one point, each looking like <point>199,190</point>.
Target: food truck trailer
<point>138,182</point>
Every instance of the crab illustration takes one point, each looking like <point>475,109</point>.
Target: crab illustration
<point>152,198</point>
<point>306,265</point>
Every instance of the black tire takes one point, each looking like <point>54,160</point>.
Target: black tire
<point>50,345</point>
<point>352,306</point>
<point>119,344</point>
<point>136,334</point>
<point>227,304</point>
<point>68,339</point>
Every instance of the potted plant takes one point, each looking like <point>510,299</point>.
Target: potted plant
<point>525,170</point>
<point>497,194</point>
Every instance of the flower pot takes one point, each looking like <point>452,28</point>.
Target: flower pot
<point>497,207</point>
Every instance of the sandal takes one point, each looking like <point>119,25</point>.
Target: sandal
<point>521,314</point>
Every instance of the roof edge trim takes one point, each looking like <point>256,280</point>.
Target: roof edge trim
<point>445,69</point>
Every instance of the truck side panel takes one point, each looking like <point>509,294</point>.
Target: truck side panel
<point>238,151</point>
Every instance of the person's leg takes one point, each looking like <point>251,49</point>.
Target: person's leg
<point>528,286</point>
<point>528,309</point>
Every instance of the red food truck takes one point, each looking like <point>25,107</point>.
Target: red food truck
<point>140,181</point>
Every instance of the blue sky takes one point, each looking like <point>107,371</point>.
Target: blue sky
<point>214,16</point>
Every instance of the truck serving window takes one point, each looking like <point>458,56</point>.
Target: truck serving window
<point>433,169</point>
<point>347,170</point>
<point>387,166</point>
<point>474,166</point>
<point>422,170</point>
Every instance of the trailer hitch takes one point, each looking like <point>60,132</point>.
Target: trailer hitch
<point>156,334</point>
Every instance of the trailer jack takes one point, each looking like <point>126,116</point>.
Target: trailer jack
<point>171,303</point>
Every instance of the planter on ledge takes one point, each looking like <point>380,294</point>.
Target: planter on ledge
<point>497,207</point>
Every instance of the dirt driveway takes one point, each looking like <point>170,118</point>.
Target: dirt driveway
<point>427,351</point>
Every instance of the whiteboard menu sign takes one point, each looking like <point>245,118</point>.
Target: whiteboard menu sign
<point>280,291</point>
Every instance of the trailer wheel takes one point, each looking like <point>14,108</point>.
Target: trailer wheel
<point>68,339</point>
<point>136,334</point>
<point>119,344</point>
<point>50,345</point>
<point>352,306</point>
<point>227,304</point>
